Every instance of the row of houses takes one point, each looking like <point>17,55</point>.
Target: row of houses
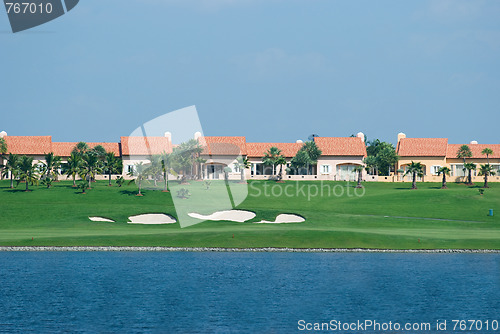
<point>340,155</point>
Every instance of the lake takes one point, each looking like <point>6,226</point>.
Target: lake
<point>205,292</point>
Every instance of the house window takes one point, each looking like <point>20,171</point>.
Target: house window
<point>435,170</point>
<point>325,169</point>
<point>130,168</point>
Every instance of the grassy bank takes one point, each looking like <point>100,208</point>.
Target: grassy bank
<point>388,215</point>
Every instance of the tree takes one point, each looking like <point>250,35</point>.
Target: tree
<point>199,161</point>
<point>12,167</point>
<point>140,172</point>
<point>486,170</point>
<point>227,170</point>
<point>90,167</point>
<point>155,167</point>
<point>50,167</point>
<point>444,171</point>
<point>464,152</point>
<point>3,150</point>
<point>415,169</point>
<point>72,166</point>
<point>271,158</point>
<point>470,166</point>
<point>111,165</point>
<point>381,156</point>
<point>281,161</point>
<point>359,169</point>
<point>243,163</point>
<point>313,152</point>
<point>488,152</point>
<point>166,166</point>
<point>27,172</point>
<point>370,163</point>
<point>100,151</point>
<point>300,160</point>
<point>81,148</point>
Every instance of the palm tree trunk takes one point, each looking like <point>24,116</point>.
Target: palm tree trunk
<point>140,194</point>
<point>27,183</point>
<point>414,182</point>
<point>485,180</point>
<point>90,180</point>
<point>360,176</point>
<point>242,175</point>
<point>109,177</point>
<point>165,177</point>
<point>443,186</point>
<point>74,180</point>
<point>470,176</point>
<point>11,180</point>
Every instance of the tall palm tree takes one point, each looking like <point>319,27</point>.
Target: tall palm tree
<point>359,169</point>
<point>415,169</point>
<point>140,172</point>
<point>470,166</point>
<point>199,161</point>
<point>444,171</point>
<point>485,170</point>
<point>166,167</point>
<point>72,166</point>
<point>110,165</point>
<point>90,167</point>
<point>27,171</point>
<point>464,152</point>
<point>313,152</point>
<point>51,165</point>
<point>155,167</point>
<point>242,163</point>
<point>3,150</point>
<point>488,152</point>
<point>280,162</point>
<point>271,158</point>
<point>12,167</point>
<point>81,148</point>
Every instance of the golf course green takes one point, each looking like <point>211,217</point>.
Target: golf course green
<point>380,216</point>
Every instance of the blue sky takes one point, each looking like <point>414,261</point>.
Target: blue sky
<point>271,70</point>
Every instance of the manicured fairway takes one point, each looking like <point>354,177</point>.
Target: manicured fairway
<point>388,215</point>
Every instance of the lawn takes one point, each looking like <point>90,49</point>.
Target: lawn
<point>383,215</point>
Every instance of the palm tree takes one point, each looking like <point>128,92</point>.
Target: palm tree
<point>444,171</point>
<point>485,170</point>
<point>242,163</point>
<point>155,167</point>
<point>166,166</point>
<point>3,150</point>
<point>280,162</point>
<point>81,148</point>
<point>73,166</point>
<point>110,165</point>
<point>51,165</point>
<point>488,152</point>
<point>140,172</point>
<point>464,152</point>
<point>415,169</point>
<point>359,169</point>
<point>27,171</point>
<point>470,166</point>
<point>12,167</point>
<point>90,167</point>
<point>271,158</point>
<point>199,161</point>
<point>313,152</point>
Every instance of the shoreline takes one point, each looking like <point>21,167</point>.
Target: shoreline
<point>237,250</point>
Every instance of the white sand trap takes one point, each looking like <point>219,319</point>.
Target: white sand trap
<point>101,219</point>
<point>152,219</point>
<point>239,216</point>
<point>284,219</point>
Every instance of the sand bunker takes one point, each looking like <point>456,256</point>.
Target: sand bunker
<point>101,219</point>
<point>284,219</point>
<point>239,216</point>
<point>152,219</point>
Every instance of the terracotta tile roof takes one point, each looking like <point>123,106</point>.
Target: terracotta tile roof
<point>341,146</point>
<point>223,145</point>
<point>422,147</point>
<point>145,145</point>
<point>475,149</point>
<point>65,149</point>
<point>258,150</point>
<point>32,145</point>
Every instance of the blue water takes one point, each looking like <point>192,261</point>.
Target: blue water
<point>106,292</point>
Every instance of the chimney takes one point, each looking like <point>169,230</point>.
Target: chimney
<point>401,135</point>
<point>197,135</point>
<point>299,141</point>
<point>3,134</point>
<point>473,142</point>
<point>362,136</point>
<point>169,136</point>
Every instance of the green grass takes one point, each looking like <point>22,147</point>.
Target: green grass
<point>385,217</point>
